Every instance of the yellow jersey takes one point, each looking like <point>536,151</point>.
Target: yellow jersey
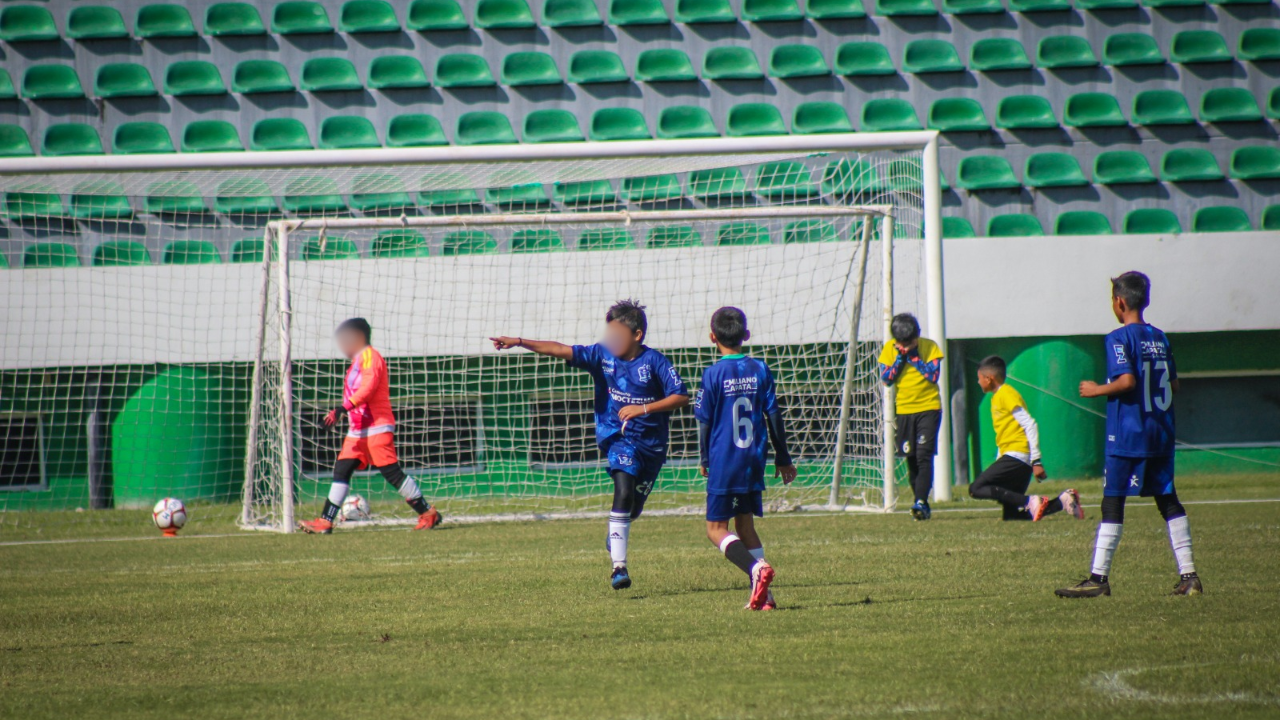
<point>915,391</point>
<point>1016,431</point>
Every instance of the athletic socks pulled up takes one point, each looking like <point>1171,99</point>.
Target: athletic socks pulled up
<point>1180,539</point>
<point>332,504</point>
<point>737,553</point>
<point>619,534</point>
<point>1104,547</point>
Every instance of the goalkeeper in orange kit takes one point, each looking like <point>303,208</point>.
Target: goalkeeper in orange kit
<point>371,426</point>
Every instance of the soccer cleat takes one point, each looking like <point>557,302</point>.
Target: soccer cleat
<point>620,580</point>
<point>1036,505</point>
<point>761,578</point>
<point>1189,584</point>
<point>1087,588</point>
<point>429,519</point>
<point>769,603</point>
<point>1071,503</point>
<point>921,510</point>
<point>319,526</point>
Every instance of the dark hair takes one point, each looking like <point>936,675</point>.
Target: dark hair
<point>629,313</point>
<point>993,365</point>
<point>730,326</point>
<point>1133,288</point>
<point>905,327</point>
<point>359,324</point>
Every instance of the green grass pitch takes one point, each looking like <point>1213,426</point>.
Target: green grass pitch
<point>879,617</point>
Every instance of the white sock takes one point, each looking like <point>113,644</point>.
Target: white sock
<point>1180,539</point>
<point>619,533</point>
<point>338,492</point>
<point>757,553</point>
<point>1105,547</point>
<point>409,488</point>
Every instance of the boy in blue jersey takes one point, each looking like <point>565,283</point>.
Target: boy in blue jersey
<point>636,388</point>
<point>736,407</point>
<point>1141,381</point>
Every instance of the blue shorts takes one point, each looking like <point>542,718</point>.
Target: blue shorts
<point>1129,476</point>
<point>725,507</point>
<point>624,455</point>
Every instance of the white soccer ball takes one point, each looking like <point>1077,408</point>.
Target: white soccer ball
<point>355,507</point>
<point>169,515</point>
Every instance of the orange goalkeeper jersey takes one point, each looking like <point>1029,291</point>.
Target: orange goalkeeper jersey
<point>366,394</point>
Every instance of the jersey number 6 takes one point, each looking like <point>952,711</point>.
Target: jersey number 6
<point>744,431</point>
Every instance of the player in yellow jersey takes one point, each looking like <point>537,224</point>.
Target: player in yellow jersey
<point>1018,453</point>
<point>913,364</point>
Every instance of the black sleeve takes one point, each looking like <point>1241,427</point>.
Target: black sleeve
<point>778,436</point>
<point>704,444</point>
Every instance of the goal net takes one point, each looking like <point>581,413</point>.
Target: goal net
<point>170,330</point>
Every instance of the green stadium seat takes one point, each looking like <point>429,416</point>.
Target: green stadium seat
<point>32,206</point>
<point>972,7</point>
<point>1271,217</point>
<point>173,198</point>
<point>587,192</point>
<point>503,14</point>
<point>163,21</point>
<point>397,71</point>
<point>27,23</point>
<point>1053,169</point>
<point>368,16</point>
<point>1122,167</point>
<point>748,119</point>
<point>637,12</point>
<point>1014,225</point>
<point>704,11</point>
<point>991,54</point>
<point>43,255</point>
<point>1093,109</point>
<point>957,227</point>
<point>484,128</point>
<point>795,61</point>
<point>1150,221</point>
<point>1189,165</point>
<point>193,77</point>
<point>1273,104</point>
<point>664,65</point>
<point>570,13</point>
<point>851,177</point>
<point>1065,51</point>
<point>985,172</point>
<point>330,75</point>
<point>245,196</point>
<point>1258,162</point>
<point>42,82</point>
<point>279,134</point>
<point>552,125</point>
<point>813,118</point>
<point>521,197</point>
<point>731,63</point>
<point>605,239</point>
<point>596,66</point>
<point>329,248</point>
<point>463,70</point>
<point>7,89</point>
<point>1220,219</point>
<point>530,68</point>
<point>1124,49</point>
<point>809,231</point>
<point>379,194</point>
<point>415,130</point>
<point>1229,104</point>
<point>742,233</point>
<point>95,22</point>
<point>672,236</point>
<point>233,18</point>
<point>312,196</point>
<point>469,242</point>
<point>784,180</point>
<point>1171,3</point>
<point>399,244</point>
<point>211,136</point>
<point>652,188</point>
<point>1031,6</point>
<point>1259,44</point>
<point>436,15</point>
<point>686,121</point>
<point>758,11</point>
<point>62,139</point>
<point>1025,112</point>
<point>123,80</point>
<point>889,114</point>
<point>536,240</point>
<point>99,200</point>
<point>119,253</point>
<point>1082,222</point>
<point>891,8</point>
<point>722,183</point>
<point>931,56</point>
<point>957,115</point>
<point>834,9</point>
<point>300,17</point>
<point>261,76</point>
<point>137,138</point>
<point>1161,107</point>
<point>190,252</point>
<point>1199,46</point>
<point>1106,4</point>
<point>347,132</point>
<point>864,58</point>
<point>618,124</point>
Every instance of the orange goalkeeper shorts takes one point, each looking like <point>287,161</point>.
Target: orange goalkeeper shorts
<point>373,451</point>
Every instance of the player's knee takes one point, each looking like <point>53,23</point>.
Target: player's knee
<point>624,492</point>
<point>344,469</point>
<point>393,474</point>
<point>1170,507</point>
<point>1113,510</point>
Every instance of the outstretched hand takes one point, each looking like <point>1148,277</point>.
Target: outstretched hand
<point>332,417</point>
<point>506,343</point>
<point>786,472</point>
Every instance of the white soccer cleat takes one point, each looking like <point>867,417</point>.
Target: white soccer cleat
<point>1036,505</point>
<point>1071,503</point>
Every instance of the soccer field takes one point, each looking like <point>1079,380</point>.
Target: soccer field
<point>879,616</point>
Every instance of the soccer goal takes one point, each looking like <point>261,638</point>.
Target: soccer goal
<point>202,366</point>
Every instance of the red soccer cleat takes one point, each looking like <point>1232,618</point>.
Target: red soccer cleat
<point>761,578</point>
<point>769,603</point>
<point>429,519</point>
<point>319,526</point>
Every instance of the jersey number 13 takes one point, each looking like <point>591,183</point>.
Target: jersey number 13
<point>1164,396</point>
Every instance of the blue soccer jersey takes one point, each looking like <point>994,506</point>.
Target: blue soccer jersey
<point>644,380</point>
<point>1140,422</point>
<point>737,398</point>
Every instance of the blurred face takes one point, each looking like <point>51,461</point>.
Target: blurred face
<point>620,339</point>
<point>910,343</point>
<point>986,381</point>
<point>349,342</point>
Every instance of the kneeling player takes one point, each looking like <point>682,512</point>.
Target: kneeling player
<point>736,408</point>
<point>366,401</point>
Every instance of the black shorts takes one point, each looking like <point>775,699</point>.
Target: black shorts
<point>1007,472</point>
<point>917,433</point>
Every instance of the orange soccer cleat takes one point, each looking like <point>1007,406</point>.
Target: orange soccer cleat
<point>429,519</point>
<point>319,526</point>
<point>761,578</point>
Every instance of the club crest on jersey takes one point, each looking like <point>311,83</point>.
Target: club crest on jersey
<point>606,366</point>
<point>644,373</point>
<point>1121,357</point>
<point>624,460</point>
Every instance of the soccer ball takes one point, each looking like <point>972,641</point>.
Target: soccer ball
<point>169,515</point>
<point>355,507</point>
